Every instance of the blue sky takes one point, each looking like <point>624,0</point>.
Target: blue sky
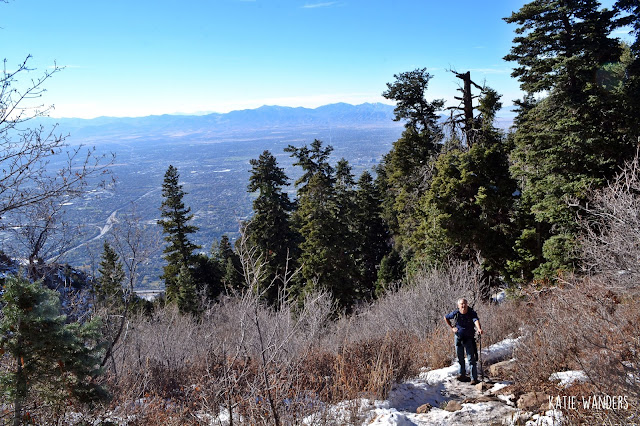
<point>142,57</point>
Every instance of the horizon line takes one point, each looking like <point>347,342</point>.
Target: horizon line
<point>205,113</point>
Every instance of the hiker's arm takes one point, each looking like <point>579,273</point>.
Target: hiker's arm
<point>478,326</point>
<point>453,329</point>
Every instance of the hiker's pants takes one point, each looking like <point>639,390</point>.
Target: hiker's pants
<point>467,344</point>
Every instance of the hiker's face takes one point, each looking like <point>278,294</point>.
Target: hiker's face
<point>462,307</point>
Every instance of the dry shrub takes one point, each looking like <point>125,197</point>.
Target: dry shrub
<point>240,355</point>
<point>438,348</point>
<point>583,325</point>
<point>416,308</point>
<point>611,229</point>
<point>367,368</point>
<point>162,412</point>
<point>501,321</point>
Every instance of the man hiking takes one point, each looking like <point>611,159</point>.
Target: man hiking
<point>466,322</point>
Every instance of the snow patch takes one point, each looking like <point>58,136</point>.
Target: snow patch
<point>500,351</point>
<point>568,377</point>
<point>549,418</point>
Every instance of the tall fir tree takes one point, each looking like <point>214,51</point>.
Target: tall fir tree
<point>345,230</point>
<point>322,256</point>
<point>576,137</point>
<point>371,234</point>
<point>176,227</point>
<point>405,172</point>
<point>269,230</point>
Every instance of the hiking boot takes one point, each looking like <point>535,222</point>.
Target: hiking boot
<point>462,378</point>
<point>474,382</point>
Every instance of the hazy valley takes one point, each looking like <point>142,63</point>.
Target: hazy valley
<point>212,154</point>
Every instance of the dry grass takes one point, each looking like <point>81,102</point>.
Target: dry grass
<point>438,349</point>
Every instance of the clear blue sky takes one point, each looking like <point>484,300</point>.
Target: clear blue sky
<point>143,57</point>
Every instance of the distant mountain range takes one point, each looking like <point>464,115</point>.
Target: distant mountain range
<point>215,125</point>
<point>366,115</point>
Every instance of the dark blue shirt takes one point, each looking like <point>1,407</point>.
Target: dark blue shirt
<point>464,322</point>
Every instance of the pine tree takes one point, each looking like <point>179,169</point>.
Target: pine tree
<point>230,265</point>
<point>390,272</point>
<point>187,299</point>
<point>467,208</point>
<point>561,45</point>
<point>52,359</point>
<point>572,140</point>
<point>108,289</point>
<point>405,172</point>
<point>408,91</point>
<point>322,254</point>
<point>175,225</point>
<point>207,275</point>
<point>371,234</point>
<point>269,230</point>
<point>346,240</point>
<point>630,74</point>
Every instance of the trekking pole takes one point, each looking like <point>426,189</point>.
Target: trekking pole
<point>480,356</point>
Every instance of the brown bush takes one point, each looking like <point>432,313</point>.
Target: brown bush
<point>583,325</point>
<point>366,368</point>
<point>500,321</point>
<point>438,348</point>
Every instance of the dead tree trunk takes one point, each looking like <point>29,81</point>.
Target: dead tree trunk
<point>466,116</point>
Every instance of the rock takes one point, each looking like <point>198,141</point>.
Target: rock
<point>482,386</point>
<point>503,369</point>
<point>425,408</point>
<point>483,398</point>
<point>532,401</point>
<point>453,405</point>
<point>521,418</point>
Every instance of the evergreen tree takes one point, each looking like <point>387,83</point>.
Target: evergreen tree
<point>561,45</point>
<point>405,172</point>
<point>630,74</point>
<point>390,272</point>
<point>269,229</point>
<point>322,254</point>
<point>632,18</point>
<point>108,291</point>
<point>371,234</point>
<point>207,275</point>
<point>175,225</point>
<point>467,209</point>
<point>411,105</point>
<point>345,230</point>
<point>187,299</point>
<point>572,140</point>
<point>55,360</point>
<point>230,265</point>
